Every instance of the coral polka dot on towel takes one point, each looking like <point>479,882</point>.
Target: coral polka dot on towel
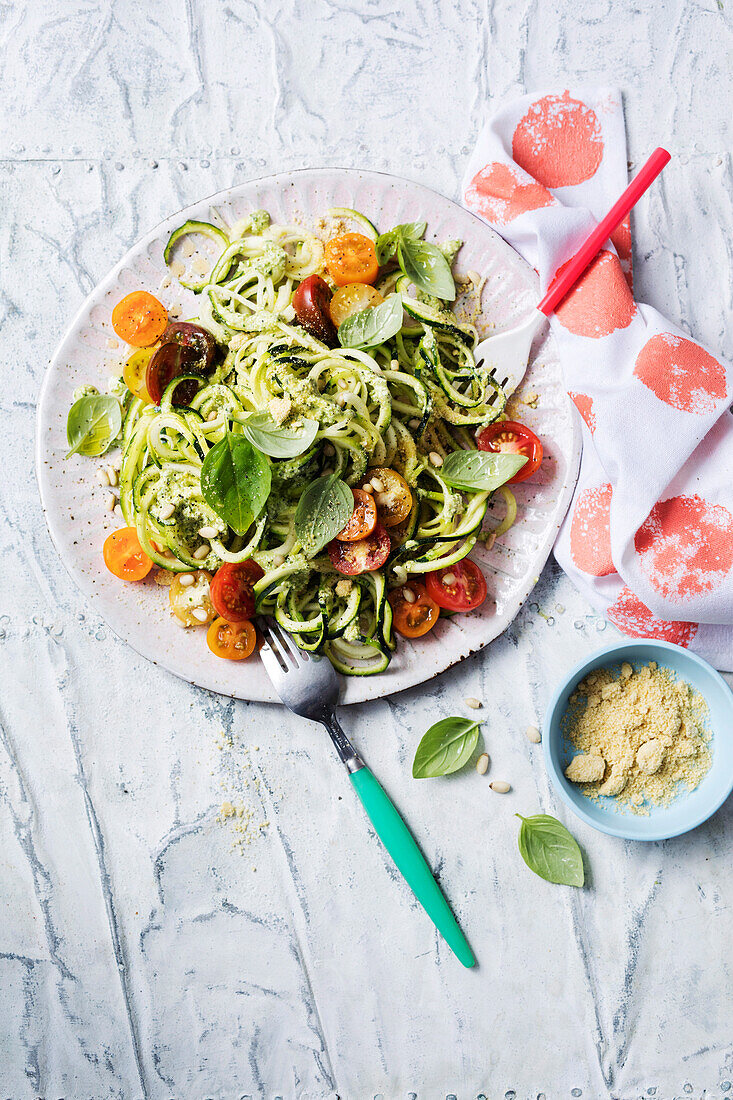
<point>685,546</point>
<point>558,141</point>
<point>590,532</point>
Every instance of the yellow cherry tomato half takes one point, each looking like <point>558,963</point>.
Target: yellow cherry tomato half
<point>189,598</point>
<point>125,557</point>
<point>139,319</point>
<point>392,494</point>
<point>351,258</point>
<point>134,371</point>
<point>233,641</point>
<point>352,299</point>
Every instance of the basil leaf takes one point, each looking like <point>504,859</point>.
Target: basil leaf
<point>445,748</point>
<point>278,442</point>
<point>386,245</point>
<point>235,481</point>
<point>93,424</point>
<point>323,510</point>
<point>373,325</point>
<point>476,470</point>
<point>426,266</point>
<point>550,850</point>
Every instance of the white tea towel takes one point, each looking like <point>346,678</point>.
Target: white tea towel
<point>649,535</point>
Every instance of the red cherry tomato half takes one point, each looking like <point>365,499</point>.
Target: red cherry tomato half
<point>312,302</point>
<point>232,592</point>
<point>363,556</point>
<point>512,438</point>
<point>459,587</point>
<point>169,361</point>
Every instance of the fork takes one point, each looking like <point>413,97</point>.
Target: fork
<point>507,353</point>
<point>309,685</point>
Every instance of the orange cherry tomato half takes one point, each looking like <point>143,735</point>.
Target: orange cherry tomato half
<point>414,613</point>
<point>459,587</point>
<point>513,438</point>
<point>364,556</point>
<point>125,557</point>
<point>392,495</point>
<point>232,590</point>
<point>351,258</point>
<point>233,641</point>
<point>363,518</point>
<point>139,319</point>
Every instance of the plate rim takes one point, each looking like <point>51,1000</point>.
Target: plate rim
<point>102,286</point>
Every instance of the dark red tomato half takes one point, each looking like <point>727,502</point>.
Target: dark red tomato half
<point>363,556</point>
<point>513,438</point>
<point>169,361</point>
<point>232,590</point>
<point>311,302</point>
<point>459,587</point>
<point>193,336</point>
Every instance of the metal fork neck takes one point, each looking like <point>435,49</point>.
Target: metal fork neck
<point>347,753</point>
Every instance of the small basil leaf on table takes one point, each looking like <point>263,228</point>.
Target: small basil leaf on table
<point>323,510</point>
<point>272,439</point>
<point>235,481</point>
<point>476,470</point>
<point>93,424</point>
<point>373,325</point>
<point>445,748</point>
<point>426,266</point>
<point>550,850</point>
<point>387,242</point>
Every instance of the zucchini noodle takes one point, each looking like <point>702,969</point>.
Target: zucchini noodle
<point>405,404</point>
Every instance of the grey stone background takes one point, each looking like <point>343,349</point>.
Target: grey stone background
<point>149,947</point>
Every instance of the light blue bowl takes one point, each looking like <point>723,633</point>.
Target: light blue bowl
<point>688,810</point>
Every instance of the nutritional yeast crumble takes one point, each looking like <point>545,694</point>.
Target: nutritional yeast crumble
<point>642,737</point>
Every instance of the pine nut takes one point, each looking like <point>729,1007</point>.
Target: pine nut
<point>203,552</point>
<point>110,502</point>
<point>186,579</point>
<point>482,764</point>
<point>102,476</point>
<point>377,485</point>
<point>278,560</point>
<point>327,472</point>
<point>474,704</point>
<point>414,423</point>
<point>213,415</point>
<point>118,512</point>
<point>449,578</point>
<point>329,449</point>
<point>435,458</point>
<point>200,614</point>
<point>167,511</point>
<point>111,475</point>
<point>368,488</point>
<point>533,735</point>
<point>500,786</point>
<point>208,532</point>
<point>408,595</point>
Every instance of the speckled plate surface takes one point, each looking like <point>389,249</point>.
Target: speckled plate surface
<point>74,501</point>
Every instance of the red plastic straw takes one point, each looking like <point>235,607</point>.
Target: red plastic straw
<point>560,286</point>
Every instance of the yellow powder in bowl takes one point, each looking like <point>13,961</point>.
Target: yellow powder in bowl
<point>642,736</point>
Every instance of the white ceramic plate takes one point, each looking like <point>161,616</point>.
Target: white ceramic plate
<point>73,499</point>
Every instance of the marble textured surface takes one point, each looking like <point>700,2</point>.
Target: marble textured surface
<point>150,947</point>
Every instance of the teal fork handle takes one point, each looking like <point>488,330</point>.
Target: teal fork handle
<point>410,862</point>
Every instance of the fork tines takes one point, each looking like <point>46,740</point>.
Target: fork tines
<point>280,645</point>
